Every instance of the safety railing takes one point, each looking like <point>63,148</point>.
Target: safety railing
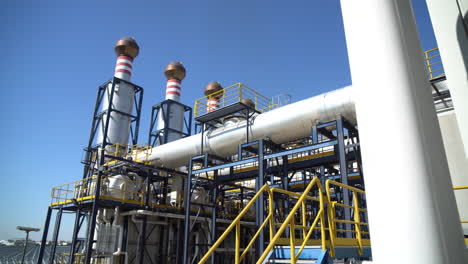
<point>79,190</point>
<point>63,258</point>
<point>356,218</point>
<point>114,188</point>
<point>137,153</point>
<point>289,222</point>
<point>230,95</point>
<point>433,63</point>
<point>238,257</point>
<point>463,221</point>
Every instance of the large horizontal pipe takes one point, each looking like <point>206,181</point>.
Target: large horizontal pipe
<point>284,124</point>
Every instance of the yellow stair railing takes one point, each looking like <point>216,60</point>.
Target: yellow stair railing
<point>290,222</point>
<point>462,221</point>
<point>269,220</point>
<point>332,219</point>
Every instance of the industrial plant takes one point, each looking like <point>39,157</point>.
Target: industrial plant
<point>375,172</point>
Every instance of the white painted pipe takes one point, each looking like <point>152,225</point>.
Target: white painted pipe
<point>416,220</point>
<point>290,122</point>
<point>451,30</point>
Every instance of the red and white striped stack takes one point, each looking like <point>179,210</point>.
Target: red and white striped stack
<point>123,67</point>
<point>173,89</point>
<point>213,104</point>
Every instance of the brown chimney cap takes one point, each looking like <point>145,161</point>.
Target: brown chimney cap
<point>127,46</point>
<point>214,87</point>
<point>175,70</point>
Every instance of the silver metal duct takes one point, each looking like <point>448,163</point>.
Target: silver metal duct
<point>290,122</point>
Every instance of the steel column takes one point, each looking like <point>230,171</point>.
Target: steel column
<point>213,213</point>
<point>44,236</point>
<point>188,196</point>
<point>76,230</point>
<point>58,221</point>
<point>343,173</point>
<point>259,205</point>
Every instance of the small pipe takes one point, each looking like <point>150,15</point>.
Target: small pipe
<point>138,221</point>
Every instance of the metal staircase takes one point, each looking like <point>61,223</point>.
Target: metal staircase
<point>310,233</point>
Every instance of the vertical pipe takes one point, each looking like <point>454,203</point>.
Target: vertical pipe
<point>450,22</point>
<point>213,214</point>
<point>383,33</point>
<point>44,236</point>
<point>449,19</point>
<point>188,196</point>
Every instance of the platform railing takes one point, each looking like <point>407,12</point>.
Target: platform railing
<point>138,153</point>
<point>356,218</point>
<point>275,236</point>
<point>463,221</point>
<point>233,94</point>
<point>433,63</point>
<point>125,190</point>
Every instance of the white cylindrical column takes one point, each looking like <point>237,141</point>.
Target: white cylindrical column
<point>123,97</point>
<point>412,212</point>
<point>214,91</point>
<point>171,116</point>
<point>450,23</point>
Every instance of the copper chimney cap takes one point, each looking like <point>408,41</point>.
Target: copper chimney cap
<point>248,102</point>
<point>175,70</point>
<point>127,46</point>
<point>214,87</point>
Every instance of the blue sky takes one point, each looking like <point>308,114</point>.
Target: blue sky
<point>58,52</point>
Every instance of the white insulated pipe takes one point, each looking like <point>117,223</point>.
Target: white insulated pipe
<point>416,221</point>
<point>450,23</point>
<point>290,122</point>
<point>119,125</point>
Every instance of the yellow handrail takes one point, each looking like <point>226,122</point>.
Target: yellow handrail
<point>236,224</point>
<point>233,94</point>
<point>356,217</point>
<point>432,60</point>
<point>465,187</point>
<point>289,222</point>
<point>269,220</point>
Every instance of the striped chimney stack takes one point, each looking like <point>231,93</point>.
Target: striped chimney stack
<point>214,91</point>
<point>126,49</point>
<point>175,73</point>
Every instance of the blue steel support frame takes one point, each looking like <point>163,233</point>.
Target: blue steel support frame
<point>159,137</point>
<point>138,98</point>
<point>58,222</point>
<point>337,141</point>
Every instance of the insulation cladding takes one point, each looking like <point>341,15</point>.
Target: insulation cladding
<point>119,124</point>
<point>175,73</point>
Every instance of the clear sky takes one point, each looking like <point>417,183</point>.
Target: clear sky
<point>58,52</point>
